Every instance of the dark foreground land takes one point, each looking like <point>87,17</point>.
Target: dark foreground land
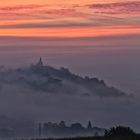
<point>135,137</point>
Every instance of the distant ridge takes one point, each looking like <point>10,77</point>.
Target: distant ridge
<point>47,79</point>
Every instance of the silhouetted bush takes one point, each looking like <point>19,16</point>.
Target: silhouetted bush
<point>120,131</point>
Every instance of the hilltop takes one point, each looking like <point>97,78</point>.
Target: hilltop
<point>47,79</point>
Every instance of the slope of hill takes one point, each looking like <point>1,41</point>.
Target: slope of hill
<point>50,80</point>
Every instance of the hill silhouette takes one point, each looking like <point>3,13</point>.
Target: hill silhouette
<point>47,79</point>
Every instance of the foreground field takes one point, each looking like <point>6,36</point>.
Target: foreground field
<point>136,137</point>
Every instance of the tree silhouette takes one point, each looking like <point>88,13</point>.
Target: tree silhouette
<point>119,131</point>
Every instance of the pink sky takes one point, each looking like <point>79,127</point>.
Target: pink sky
<point>73,18</point>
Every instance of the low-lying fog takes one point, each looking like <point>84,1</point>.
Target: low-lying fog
<point>118,66</point>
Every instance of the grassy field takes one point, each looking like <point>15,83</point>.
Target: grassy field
<point>136,137</point>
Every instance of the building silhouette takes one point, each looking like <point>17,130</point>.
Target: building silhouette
<point>40,62</point>
<point>50,129</point>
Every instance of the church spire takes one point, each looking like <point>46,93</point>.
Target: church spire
<point>89,125</point>
<point>40,62</point>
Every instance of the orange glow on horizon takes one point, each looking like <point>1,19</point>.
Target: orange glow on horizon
<point>70,32</point>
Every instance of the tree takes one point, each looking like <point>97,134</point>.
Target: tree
<point>62,124</point>
<point>119,131</point>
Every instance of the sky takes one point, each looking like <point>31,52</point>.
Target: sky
<point>29,25</point>
<point>64,18</point>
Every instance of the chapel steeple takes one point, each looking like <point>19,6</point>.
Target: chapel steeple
<point>40,62</point>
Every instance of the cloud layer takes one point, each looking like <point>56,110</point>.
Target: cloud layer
<point>56,16</point>
<point>118,8</point>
